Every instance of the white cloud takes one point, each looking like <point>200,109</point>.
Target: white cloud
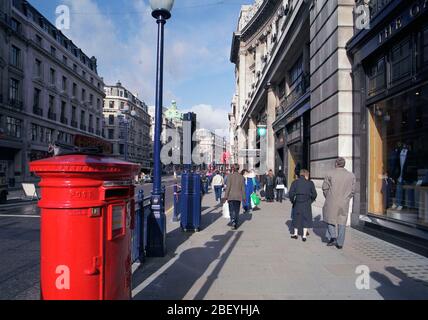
<point>211,118</point>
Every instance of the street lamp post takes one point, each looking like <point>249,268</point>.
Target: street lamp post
<point>156,231</point>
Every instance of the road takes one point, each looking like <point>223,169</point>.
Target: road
<point>20,246</point>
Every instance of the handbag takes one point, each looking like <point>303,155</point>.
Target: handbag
<point>280,186</point>
<point>255,200</point>
<point>226,213</point>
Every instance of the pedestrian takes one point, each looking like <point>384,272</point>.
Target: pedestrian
<point>269,186</point>
<point>250,187</point>
<point>280,185</point>
<point>235,194</point>
<point>204,181</point>
<point>302,194</point>
<point>217,185</point>
<point>338,189</point>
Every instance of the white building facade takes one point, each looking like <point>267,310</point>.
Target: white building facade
<point>50,90</point>
<point>127,125</point>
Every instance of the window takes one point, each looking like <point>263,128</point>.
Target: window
<point>13,89</point>
<point>376,77</point>
<point>98,103</point>
<point>64,83</point>
<point>63,109</point>
<point>13,127</point>
<point>122,149</point>
<point>83,95</point>
<point>39,40</point>
<point>74,90</point>
<point>398,153</point>
<point>296,71</point>
<point>51,111</point>
<point>34,132</point>
<point>36,98</point>
<point>52,76</point>
<point>73,113</point>
<point>38,68</point>
<point>49,135</point>
<point>401,60</point>
<point>82,117</point>
<point>15,57</point>
<point>84,74</point>
<point>92,80</point>
<point>91,99</point>
<point>122,105</point>
<point>110,134</point>
<point>75,67</point>
<point>64,60</point>
<point>91,121</point>
<point>53,51</point>
<point>15,25</point>
<point>111,104</point>
<point>111,119</point>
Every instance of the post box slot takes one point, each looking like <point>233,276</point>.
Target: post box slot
<point>117,193</point>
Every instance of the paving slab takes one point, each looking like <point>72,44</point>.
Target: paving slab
<point>260,261</point>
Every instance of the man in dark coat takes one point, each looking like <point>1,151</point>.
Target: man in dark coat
<point>302,193</point>
<point>338,189</point>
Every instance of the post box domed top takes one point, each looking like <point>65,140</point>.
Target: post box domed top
<point>84,164</point>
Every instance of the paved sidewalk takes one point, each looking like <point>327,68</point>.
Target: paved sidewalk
<point>261,261</point>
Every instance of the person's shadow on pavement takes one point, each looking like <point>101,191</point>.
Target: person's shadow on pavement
<point>180,277</point>
<point>404,290</point>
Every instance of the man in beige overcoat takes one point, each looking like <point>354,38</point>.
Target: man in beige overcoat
<point>235,194</point>
<point>338,189</point>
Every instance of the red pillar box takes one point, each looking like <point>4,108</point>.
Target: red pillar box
<point>87,211</point>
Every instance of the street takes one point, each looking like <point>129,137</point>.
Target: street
<point>20,246</point>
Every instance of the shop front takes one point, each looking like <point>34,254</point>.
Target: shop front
<point>293,142</point>
<point>390,70</point>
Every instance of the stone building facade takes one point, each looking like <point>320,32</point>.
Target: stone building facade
<point>293,76</point>
<point>127,125</point>
<point>50,90</point>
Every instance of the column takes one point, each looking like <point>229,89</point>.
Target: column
<point>270,135</point>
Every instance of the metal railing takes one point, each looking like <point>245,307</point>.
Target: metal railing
<point>38,111</point>
<point>139,233</point>
<point>51,116</point>
<point>298,90</point>
<point>16,104</point>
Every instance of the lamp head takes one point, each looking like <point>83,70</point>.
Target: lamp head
<point>161,8</point>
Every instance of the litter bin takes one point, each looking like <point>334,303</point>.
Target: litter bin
<point>87,213</point>
<point>190,202</point>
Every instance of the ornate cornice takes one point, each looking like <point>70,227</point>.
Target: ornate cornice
<point>265,11</point>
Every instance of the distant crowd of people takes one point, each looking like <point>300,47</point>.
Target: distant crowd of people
<point>240,188</point>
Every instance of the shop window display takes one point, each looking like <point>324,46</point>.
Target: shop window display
<point>398,157</point>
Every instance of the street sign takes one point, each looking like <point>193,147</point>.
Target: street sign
<point>250,153</point>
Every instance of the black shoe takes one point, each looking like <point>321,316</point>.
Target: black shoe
<point>304,239</point>
<point>332,242</point>
<point>229,224</point>
<point>235,226</point>
<point>339,247</point>
<point>294,237</point>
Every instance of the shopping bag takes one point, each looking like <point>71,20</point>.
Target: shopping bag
<point>255,200</point>
<point>226,213</point>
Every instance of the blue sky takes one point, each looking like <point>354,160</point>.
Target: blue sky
<point>122,35</point>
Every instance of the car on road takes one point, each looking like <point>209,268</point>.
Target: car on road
<point>147,178</point>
